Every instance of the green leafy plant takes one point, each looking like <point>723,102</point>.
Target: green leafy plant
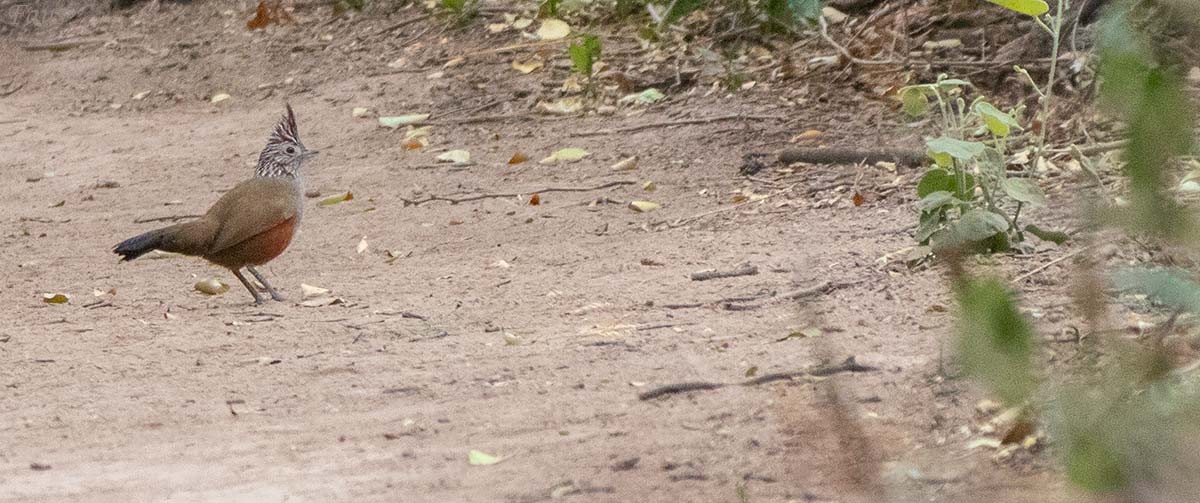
<point>967,199</point>
<point>584,54</point>
<point>460,11</point>
<point>1128,431</point>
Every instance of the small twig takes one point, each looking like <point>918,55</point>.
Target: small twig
<point>744,269</point>
<point>848,365</point>
<point>1047,265</point>
<point>171,218</point>
<point>818,288</point>
<point>472,120</point>
<point>451,200</point>
<point>61,45</point>
<point>1096,148</point>
<point>842,50</point>
<point>840,155</point>
<point>683,122</point>
<point>6,93</point>
<point>404,23</point>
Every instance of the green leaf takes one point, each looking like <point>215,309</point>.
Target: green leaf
<point>805,10</point>
<point>995,340</point>
<point>1167,286</point>
<point>915,103</point>
<point>1033,8</point>
<point>934,180</point>
<point>401,120</point>
<point>479,458</point>
<point>340,198</point>
<point>566,155</point>
<point>958,149</point>
<point>947,83</point>
<point>973,227</point>
<point>1092,464</point>
<point>585,54</point>
<point>679,9</point>
<point>1024,190</point>
<point>939,179</point>
<point>936,200</point>
<point>1056,237</point>
<point>999,123</point>
<point>930,223</point>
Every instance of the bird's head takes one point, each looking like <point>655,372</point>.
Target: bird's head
<point>284,154</point>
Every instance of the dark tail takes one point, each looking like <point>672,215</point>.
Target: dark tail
<point>139,245</point>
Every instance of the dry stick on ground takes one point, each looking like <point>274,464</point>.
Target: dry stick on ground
<point>61,45</point>
<point>744,269</point>
<point>841,155</point>
<point>849,365</point>
<point>452,200</point>
<point>171,218</point>
<point>404,23</point>
<point>731,303</point>
<point>472,120</point>
<point>684,122</point>
<point>1047,265</point>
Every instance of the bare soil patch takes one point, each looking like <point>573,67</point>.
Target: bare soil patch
<point>162,394</point>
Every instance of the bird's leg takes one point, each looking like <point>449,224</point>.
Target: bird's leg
<point>274,295</point>
<point>258,300</point>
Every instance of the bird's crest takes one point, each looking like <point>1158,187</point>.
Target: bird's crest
<point>285,130</point>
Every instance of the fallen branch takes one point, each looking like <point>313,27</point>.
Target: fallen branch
<point>840,155</point>
<point>471,120</point>
<point>1047,265</point>
<point>452,200</point>
<point>62,45</point>
<point>12,89</point>
<point>744,269</point>
<point>848,365</point>
<point>171,218</point>
<point>739,303</point>
<point>683,122</point>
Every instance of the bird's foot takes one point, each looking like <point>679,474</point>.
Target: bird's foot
<point>278,298</point>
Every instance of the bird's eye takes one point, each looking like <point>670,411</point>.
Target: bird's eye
<point>290,150</point>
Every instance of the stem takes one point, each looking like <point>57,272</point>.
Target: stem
<point>1015,215</point>
<point>1048,98</point>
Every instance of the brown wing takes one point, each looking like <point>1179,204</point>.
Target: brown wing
<point>252,207</point>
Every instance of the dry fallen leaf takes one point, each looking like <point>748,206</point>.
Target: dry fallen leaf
<point>566,155</point>
<point>858,199</point>
<point>535,200</point>
<point>219,97</point>
<point>458,157</point>
<point>553,29</point>
<point>211,286</point>
<point>643,206</point>
<point>55,298</point>
<point>527,65</point>
<point>362,245</point>
<point>479,458</point>
<point>649,186</point>
<point>626,164</point>
<point>309,291</point>
<point>518,158</point>
<point>395,121</point>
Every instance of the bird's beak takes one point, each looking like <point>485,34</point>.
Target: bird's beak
<point>311,153</point>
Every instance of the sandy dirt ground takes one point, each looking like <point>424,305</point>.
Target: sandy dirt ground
<point>160,393</point>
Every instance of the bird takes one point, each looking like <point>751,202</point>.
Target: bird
<point>252,223</point>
